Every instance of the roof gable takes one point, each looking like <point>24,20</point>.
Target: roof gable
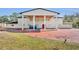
<point>39,9</point>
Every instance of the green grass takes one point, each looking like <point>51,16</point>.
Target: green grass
<point>19,41</point>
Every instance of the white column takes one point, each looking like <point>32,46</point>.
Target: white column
<point>44,22</point>
<point>56,21</point>
<point>33,22</point>
<point>22,22</point>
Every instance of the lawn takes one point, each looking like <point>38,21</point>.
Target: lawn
<point>19,41</point>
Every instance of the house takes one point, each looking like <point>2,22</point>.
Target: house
<point>38,18</point>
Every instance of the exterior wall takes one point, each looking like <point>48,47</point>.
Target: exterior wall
<point>23,23</point>
<point>54,23</point>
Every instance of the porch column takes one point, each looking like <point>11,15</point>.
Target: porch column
<point>33,22</point>
<point>56,21</point>
<point>44,22</point>
<point>22,22</point>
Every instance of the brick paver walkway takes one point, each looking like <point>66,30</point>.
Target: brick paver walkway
<point>71,34</point>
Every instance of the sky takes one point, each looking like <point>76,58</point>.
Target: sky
<point>62,11</point>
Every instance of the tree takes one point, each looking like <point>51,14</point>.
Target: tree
<point>9,19</point>
<point>65,17</point>
<point>73,19</point>
<point>13,17</point>
<point>3,19</point>
<point>68,18</point>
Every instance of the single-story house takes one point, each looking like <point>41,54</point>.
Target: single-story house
<point>38,18</point>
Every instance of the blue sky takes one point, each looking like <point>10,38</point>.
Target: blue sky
<point>62,11</point>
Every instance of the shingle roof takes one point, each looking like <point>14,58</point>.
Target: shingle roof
<point>41,9</point>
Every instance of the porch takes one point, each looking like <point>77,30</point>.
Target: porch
<point>38,21</point>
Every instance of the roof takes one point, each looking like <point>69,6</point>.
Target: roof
<point>41,9</point>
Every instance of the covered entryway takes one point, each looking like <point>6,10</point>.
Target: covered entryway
<point>38,21</point>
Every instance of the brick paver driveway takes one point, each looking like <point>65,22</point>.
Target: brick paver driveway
<point>72,35</point>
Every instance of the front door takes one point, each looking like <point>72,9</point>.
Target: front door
<point>43,26</point>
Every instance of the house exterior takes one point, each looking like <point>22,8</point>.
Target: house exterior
<point>38,18</point>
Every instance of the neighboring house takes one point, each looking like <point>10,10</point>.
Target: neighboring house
<point>38,18</point>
